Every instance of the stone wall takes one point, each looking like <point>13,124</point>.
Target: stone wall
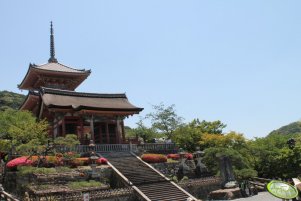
<point>201,188</point>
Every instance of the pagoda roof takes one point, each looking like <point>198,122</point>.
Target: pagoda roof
<point>65,99</point>
<point>31,102</point>
<point>58,67</point>
<point>32,79</point>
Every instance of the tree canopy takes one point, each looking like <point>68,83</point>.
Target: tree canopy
<point>165,119</point>
<point>21,128</point>
<point>10,100</point>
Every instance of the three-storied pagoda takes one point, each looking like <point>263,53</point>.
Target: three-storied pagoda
<point>91,116</point>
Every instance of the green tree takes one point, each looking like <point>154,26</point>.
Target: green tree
<point>273,158</point>
<point>21,127</point>
<point>70,140</point>
<point>229,140</point>
<point>239,162</point>
<point>165,119</point>
<point>10,100</point>
<point>189,136</point>
<point>210,127</point>
<point>142,131</point>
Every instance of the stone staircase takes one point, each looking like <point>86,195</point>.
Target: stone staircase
<point>147,181</point>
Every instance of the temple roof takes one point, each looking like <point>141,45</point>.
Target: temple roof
<point>49,74</point>
<point>53,74</point>
<point>58,67</point>
<point>64,99</point>
<point>31,102</point>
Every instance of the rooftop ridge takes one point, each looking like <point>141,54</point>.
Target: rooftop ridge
<point>46,90</point>
<point>39,66</point>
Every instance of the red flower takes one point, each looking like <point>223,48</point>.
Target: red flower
<point>21,161</point>
<point>154,158</point>
<point>101,161</point>
<point>189,156</point>
<point>173,156</point>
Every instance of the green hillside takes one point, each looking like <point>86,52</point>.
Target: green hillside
<point>290,129</point>
<point>10,100</point>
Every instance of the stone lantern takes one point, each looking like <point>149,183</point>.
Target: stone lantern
<point>201,169</point>
<point>183,167</point>
<point>93,158</point>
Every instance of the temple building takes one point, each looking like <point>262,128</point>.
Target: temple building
<point>91,116</point>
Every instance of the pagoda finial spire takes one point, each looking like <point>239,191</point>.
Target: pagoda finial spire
<point>52,58</point>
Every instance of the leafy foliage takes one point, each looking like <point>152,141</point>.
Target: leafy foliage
<point>165,120</point>
<point>10,100</point>
<point>229,140</point>
<point>273,158</point>
<point>147,134</point>
<point>290,129</point>
<point>22,129</point>
<point>70,140</point>
<point>212,158</point>
<point>189,136</point>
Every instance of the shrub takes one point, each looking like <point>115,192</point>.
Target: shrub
<point>245,173</point>
<point>45,161</point>
<point>21,161</point>
<point>154,158</point>
<point>101,161</point>
<point>173,156</point>
<point>82,161</point>
<point>189,156</point>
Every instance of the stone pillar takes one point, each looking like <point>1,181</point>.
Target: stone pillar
<point>226,171</point>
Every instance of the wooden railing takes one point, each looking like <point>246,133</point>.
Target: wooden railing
<point>6,196</point>
<point>168,147</point>
<point>150,147</point>
<point>98,148</point>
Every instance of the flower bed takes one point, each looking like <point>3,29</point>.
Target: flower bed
<point>52,161</point>
<point>189,156</point>
<point>21,161</point>
<point>154,158</point>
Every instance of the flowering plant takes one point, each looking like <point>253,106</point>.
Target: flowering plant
<point>154,158</point>
<point>21,161</point>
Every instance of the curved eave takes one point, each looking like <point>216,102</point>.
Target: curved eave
<point>33,72</point>
<point>45,90</point>
<point>31,102</point>
<point>81,107</point>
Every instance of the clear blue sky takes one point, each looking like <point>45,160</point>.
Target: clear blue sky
<point>234,61</point>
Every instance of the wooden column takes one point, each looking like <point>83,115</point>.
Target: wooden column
<point>63,127</point>
<point>81,124</point>
<point>107,133</point>
<point>92,128</point>
<point>123,131</point>
<point>118,130</point>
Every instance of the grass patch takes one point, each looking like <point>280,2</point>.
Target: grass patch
<point>169,160</point>
<point>63,169</point>
<point>84,184</point>
<point>25,170</point>
<point>43,187</point>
